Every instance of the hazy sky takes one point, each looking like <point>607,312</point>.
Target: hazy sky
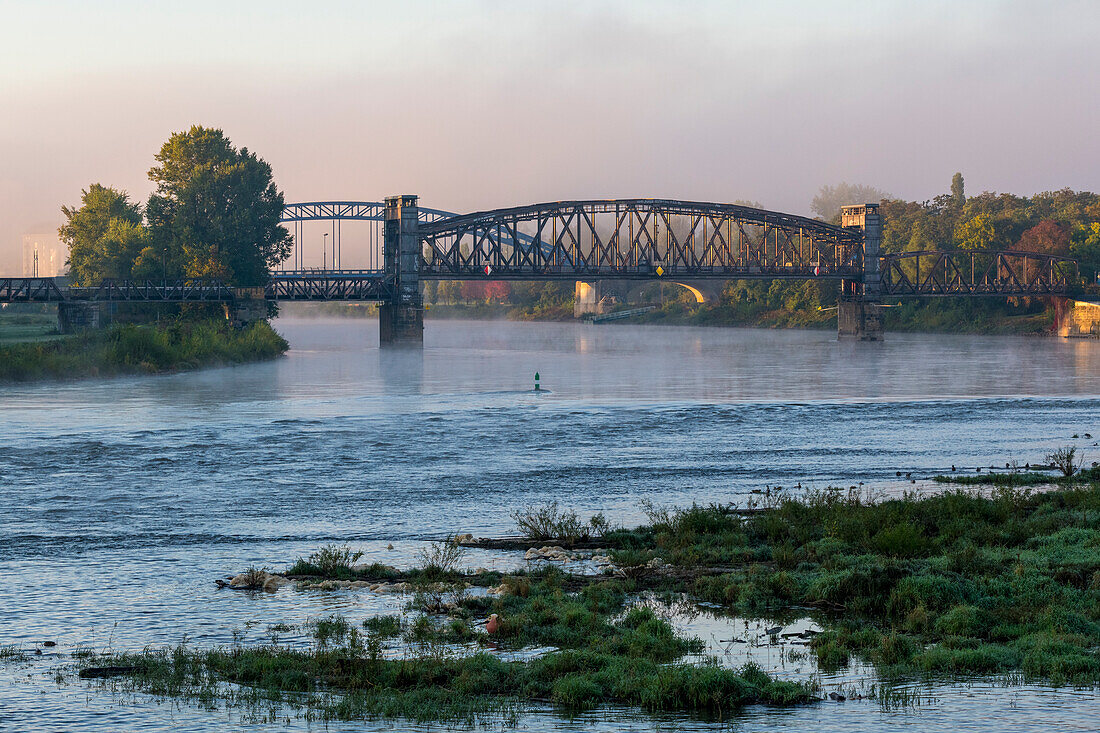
<point>482,104</point>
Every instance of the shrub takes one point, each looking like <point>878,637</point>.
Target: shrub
<point>330,560</point>
<point>551,522</point>
<point>901,540</point>
<point>441,558</point>
<point>1065,460</point>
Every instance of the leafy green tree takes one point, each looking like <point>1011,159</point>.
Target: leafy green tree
<point>449,292</point>
<point>104,235</point>
<point>977,232</point>
<point>1085,247</point>
<point>216,209</point>
<point>829,199</point>
<point>958,192</point>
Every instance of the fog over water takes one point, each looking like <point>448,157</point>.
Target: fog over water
<point>125,498</point>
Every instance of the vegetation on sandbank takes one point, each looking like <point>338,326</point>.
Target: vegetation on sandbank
<point>140,349</point>
<point>956,584</point>
<point>602,652</point>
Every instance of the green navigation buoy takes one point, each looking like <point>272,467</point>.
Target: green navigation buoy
<point>537,387</point>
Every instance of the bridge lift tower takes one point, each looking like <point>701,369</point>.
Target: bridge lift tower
<point>401,320</point>
<point>859,311</point>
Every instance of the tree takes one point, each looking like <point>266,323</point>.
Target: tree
<point>472,291</point>
<point>958,192</point>
<point>829,199</point>
<point>497,291</point>
<point>1046,237</point>
<point>216,209</point>
<point>976,232</point>
<point>449,292</point>
<point>431,288</point>
<point>1085,247</point>
<point>104,235</point>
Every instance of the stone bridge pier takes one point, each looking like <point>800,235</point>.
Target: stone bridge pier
<point>401,321</point>
<point>859,310</point>
<point>248,306</point>
<point>76,316</point>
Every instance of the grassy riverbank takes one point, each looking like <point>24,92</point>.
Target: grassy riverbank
<point>956,584</point>
<point>146,349</point>
<point>26,326</point>
<point>929,316</point>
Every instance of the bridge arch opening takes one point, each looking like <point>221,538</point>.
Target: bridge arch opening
<point>699,296</point>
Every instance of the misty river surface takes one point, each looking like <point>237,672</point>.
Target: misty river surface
<point>123,499</point>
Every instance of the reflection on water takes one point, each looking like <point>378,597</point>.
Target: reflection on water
<point>125,498</point>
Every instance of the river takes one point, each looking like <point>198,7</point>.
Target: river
<point>123,499</point>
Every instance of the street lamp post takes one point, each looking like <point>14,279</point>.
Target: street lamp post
<point>324,252</point>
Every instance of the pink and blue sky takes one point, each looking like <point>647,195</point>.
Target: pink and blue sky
<point>475,105</point>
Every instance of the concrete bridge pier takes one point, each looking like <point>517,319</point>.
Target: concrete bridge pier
<point>859,310</point>
<point>401,321</point>
<point>589,299</point>
<point>76,316</point>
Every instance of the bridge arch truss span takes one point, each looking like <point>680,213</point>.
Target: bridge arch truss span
<point>632,238</point>
<point>976,272</point>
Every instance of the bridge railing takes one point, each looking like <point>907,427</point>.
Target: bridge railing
<point>324,272</point>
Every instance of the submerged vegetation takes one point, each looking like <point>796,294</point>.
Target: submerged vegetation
<point>144,349</point>
<point>602,653</point>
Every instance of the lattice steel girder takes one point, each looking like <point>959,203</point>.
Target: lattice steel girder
<point>161,291</point>
<point>318,287</point>
<point>631,237</point>
<point>30,289</point>
<point>349,210</point>
<point>976,273</point>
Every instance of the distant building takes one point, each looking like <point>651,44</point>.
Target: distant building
<point>43,255</point>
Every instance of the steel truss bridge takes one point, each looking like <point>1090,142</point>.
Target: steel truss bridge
<point>593,239</point>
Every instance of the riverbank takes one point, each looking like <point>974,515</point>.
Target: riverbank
<point>26,326</point>
<point>145,349</point>
<point>943,316</point>
<point>900,316</point>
